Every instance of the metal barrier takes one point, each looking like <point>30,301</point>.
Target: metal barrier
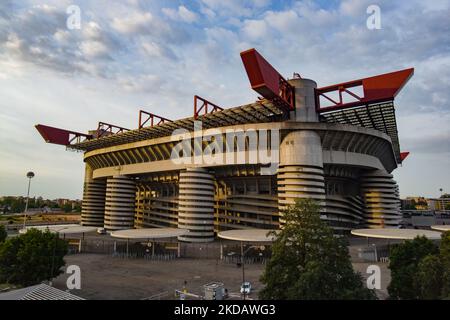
<point>135,255</point>
<point>247,260</point>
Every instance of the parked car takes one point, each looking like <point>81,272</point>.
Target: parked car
<point>246,287</point>
<point>101,230</point>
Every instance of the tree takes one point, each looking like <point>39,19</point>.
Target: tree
<point>67,207</point>
<point>444,252</point>
<point>404,265</point>
<point>309,262</point>
<point>31,258</point>
<point>429,277</point>
<point>3,233</point>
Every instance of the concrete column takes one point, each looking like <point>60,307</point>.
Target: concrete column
<point>120,203</point>
<point>305,100</point>
<point>300,174</point>
<point>196,205</point>
<point>93,206</point>
<point>381,197</point>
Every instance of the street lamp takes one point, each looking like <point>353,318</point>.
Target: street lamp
<point>30,175</point>
<point>243,253</point>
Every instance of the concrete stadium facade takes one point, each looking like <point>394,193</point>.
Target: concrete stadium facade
<point>346,168</point>
<point>283,147</point>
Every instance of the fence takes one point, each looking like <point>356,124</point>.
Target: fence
<point>247,260</point>
<point>120,249</point>
<point>165,251</point>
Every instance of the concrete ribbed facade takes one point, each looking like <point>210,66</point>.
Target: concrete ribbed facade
<point>344,167</point>
<point>120,203</point>
<point>93,207</point>
<point>344,212</point>
<point>381,199</point>
<point>300,174</point>
<point>196,205</point>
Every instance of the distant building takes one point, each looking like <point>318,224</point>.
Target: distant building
<point>439,204</point>
<point>414,203</point>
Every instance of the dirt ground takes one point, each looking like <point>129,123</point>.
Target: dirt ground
<point>104,277</point>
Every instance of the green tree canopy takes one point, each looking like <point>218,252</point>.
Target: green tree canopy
<point>444,253</point>
<point>404,262</point>
<point>429,277</point>
<point>31,258</point>
<point>309,262</point>
<point>3,233</point>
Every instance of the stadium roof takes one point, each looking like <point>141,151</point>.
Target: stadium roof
<point>38,292</point>
<point>380,116</point>
<point>441,227</point>
<point>149,233</point>
<point>261,111</point>
<point>370,107</point>
<point>247,235</point>
<point>398,234</point>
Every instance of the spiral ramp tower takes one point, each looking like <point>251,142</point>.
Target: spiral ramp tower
<point>120,203</point>
<point>300,174</point>
<point>93,206</point>
<point>381,198</point>
<point>196,205</point>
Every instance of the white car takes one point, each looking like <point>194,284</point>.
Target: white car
<point>246,287</point>
<point>101,230</point>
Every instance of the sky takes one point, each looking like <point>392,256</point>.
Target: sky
<point>156,55</point>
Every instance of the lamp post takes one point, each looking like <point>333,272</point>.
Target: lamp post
<point>243,253</point>
<point>30,175</point>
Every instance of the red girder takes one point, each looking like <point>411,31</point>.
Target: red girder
<point>403,155</point>
<point>153,118</point>
<point>204,107</point>
<point>376,89</point>
<point>265,80</point>
<point>108,129</point>
<point>61,136</point>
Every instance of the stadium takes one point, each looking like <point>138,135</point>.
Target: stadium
<point>240,167</point>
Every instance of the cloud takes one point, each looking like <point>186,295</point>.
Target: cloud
<point>38,35</point>
<point>237,8</point>
<point>181,14</point>
<point>148,83</point>
<point>135,22</point>
<point>431,144</point>
<point>255,29</point>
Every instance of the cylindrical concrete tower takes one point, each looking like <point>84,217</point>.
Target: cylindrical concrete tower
<point>120,203</point>
<point>305,100</point>
<point>93,206</point>
<point>381,197</point>
<point>196,205</point>
<point>300,174</point>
